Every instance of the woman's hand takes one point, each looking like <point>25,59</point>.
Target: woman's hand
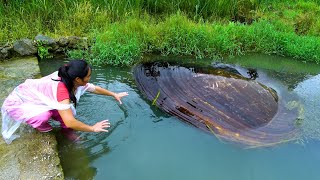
<point>118,96</point>
<point>101,126</point>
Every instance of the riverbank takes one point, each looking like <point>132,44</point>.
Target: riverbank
<point>34,155</point>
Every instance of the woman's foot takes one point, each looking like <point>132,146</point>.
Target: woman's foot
<point>45,127</point>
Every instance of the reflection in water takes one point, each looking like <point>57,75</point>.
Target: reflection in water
<point>76,157</point>
<point>221,101</point>
<point>288,79</point>
<point>74,160</point>
<point>309,91</point>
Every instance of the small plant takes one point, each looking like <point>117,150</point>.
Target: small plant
<point>79,54</point>
<point>43,51</point>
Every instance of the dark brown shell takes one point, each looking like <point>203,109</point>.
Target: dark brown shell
<point>227,104</point>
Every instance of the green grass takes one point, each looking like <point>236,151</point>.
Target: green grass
<point>78,17</point>
<point>125,30</point>
<point>124,43</point>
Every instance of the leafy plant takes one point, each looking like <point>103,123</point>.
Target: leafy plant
<point>43,51</point>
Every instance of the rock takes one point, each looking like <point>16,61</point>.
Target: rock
<point>63,42</point>
<point>77,42</point>
<point>5,52</point>
<point>24,47</point>
<point>47,42</point>
<point>44,45</point>
<point>73,40</point>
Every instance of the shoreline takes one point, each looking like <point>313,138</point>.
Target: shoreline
<point>34,155</point>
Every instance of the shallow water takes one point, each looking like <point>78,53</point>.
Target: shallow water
<point>146,143</point>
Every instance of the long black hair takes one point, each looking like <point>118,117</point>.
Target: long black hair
<point>69,72</point>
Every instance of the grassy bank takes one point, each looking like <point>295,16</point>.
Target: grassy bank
<point>125,30</point>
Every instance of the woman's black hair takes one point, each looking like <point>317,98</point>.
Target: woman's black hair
<point>69,72</point>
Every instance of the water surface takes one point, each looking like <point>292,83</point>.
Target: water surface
<point>146,143</point>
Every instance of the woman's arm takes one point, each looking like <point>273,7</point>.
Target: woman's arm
<point>75,124</point>
<point>117,96</point>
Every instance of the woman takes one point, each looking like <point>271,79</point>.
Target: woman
<point>54,96</point>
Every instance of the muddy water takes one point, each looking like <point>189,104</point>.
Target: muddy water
<point>146,143</point>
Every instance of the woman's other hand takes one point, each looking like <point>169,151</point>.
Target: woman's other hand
<point>118,96</point>
<point>101,126</point>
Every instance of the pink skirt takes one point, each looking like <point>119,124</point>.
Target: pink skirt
<point>41,121</point>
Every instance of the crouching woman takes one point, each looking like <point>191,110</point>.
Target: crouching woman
<point>55,96</point>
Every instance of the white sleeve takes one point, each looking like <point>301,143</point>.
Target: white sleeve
<point>82,89</point>
<point>90,87</point>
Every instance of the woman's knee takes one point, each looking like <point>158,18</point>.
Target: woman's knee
<point>39,119</point>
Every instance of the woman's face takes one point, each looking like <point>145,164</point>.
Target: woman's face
<point>85,80</point>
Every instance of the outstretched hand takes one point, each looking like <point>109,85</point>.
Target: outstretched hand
<point>101,126</point>
<point>118,96</point>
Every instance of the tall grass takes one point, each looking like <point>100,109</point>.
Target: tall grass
<point>123,43</point>
<point>124,30</point>
<point>77,17</point>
